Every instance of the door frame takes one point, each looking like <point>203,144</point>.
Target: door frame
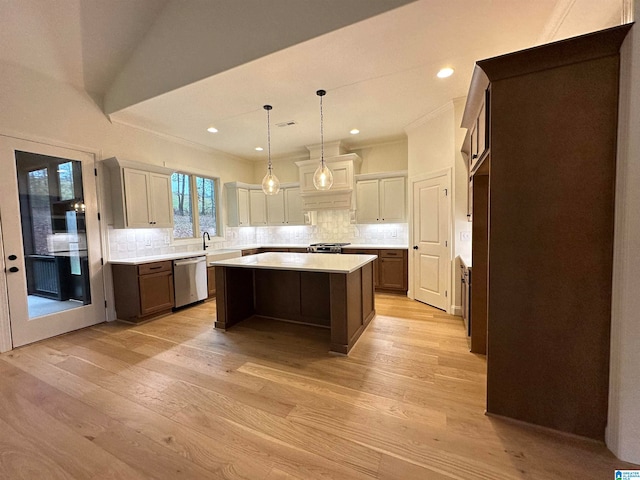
<point>5,323</point>
<point>412,181</point>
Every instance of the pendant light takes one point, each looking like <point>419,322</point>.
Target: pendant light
<point>322,178</point>
<point>270,183</point>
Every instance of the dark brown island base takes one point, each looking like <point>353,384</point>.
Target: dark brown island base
<point>330,291</point>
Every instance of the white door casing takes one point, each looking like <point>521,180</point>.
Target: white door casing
<point>22,329</point>
<point>431,245</point>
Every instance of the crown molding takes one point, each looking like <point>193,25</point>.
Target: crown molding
<point>182,141</point>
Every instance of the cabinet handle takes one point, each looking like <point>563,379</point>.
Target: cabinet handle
<point>14,269</point>
<point>475,155</point>
<point>155,268</point>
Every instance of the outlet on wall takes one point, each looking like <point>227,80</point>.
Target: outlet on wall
<point>465,236</point>
<point>166,239</point>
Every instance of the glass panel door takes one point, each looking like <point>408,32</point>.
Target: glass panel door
<point>52,253</point>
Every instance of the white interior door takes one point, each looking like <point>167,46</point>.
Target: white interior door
<point>50,239</point>
<point>431,249</point>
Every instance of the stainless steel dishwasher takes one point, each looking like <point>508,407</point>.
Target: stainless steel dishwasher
<point>190,280</point>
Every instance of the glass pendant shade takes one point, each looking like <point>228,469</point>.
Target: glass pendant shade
<point>323,178</point>
<point>270,183</point>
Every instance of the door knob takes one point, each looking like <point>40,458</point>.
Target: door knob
<point>12,257</point>
<point>14,269</point>
<point>415,247</point>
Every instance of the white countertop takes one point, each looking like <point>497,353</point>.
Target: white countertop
<point>305,245</point>
<point>307,262</point>
<point>210,254</point>
<point>231,251</point>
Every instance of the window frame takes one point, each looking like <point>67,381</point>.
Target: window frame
<point>195,213</point>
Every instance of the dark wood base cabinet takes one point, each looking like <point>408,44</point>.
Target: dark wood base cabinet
<point>343,302</point>
<point>143,291</point>
<point>211,282</point>
<point>390,269</point>
<point>544,242</point>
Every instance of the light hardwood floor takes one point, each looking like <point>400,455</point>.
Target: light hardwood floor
<point>174,398</point>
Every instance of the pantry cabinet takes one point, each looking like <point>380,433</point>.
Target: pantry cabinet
<point>543,202</point>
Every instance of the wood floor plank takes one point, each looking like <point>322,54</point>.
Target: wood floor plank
<point>175,398</point>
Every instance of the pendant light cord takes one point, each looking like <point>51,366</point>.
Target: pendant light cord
<point>268,108</point>
<point>321,93</point>
<point>321,133</point>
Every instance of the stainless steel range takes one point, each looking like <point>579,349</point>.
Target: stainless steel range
<point>326,247</point>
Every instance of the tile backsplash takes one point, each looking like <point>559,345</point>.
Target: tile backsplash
<point>331,226</point>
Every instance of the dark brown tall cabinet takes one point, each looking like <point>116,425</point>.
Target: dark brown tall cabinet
<point>543,214</point>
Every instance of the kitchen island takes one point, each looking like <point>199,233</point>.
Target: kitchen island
<point>324,290</point>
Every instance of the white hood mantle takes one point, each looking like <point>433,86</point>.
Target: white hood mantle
<point>341,195</point>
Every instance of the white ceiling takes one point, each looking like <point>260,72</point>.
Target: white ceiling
<point>379,73</point>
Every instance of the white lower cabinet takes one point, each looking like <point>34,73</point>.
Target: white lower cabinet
<point>381,199</point>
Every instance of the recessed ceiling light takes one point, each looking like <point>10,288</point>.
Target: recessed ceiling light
<point>212,130</point>
<point>259,149</point>
<point>355,131</point>
<point>445,72</point>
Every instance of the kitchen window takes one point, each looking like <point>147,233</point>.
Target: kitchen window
<point>195,205</point>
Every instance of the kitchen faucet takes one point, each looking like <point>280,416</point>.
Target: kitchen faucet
<point>204,243</point>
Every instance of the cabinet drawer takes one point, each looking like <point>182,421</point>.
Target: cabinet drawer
<point>391,253</point>
<point>155,267</point>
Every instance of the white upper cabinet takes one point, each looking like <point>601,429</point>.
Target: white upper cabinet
<point>381,199</point>
<point>140,198</point>
<point>237,205</point>
<point>257,207</point>
<point>275,208</point>
<point>293,206</point>
<point>247,205</point>
<point>342,171</point>
<point>285,208</point>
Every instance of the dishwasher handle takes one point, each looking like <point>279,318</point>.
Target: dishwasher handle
<point>179,263</point>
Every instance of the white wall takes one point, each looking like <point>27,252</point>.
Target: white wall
<point>434,144</point>
<point>376,158</point>
<point>623,429</point>
<point>39,108</point>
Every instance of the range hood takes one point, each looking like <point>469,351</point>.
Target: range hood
<point>344,166</point>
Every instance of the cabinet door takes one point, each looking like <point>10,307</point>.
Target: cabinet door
<point>482,131</point>
<point>156,292</point>
<point>136,198</point>
<point>393,200</point>
<point>161,202</point>
<point>293,207</point>
<point>275,209</point>
<point>392,273</point>
<point>211,281</point>
<point>257,207</point>
<point>243,207</point>
<point>367,201</point>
